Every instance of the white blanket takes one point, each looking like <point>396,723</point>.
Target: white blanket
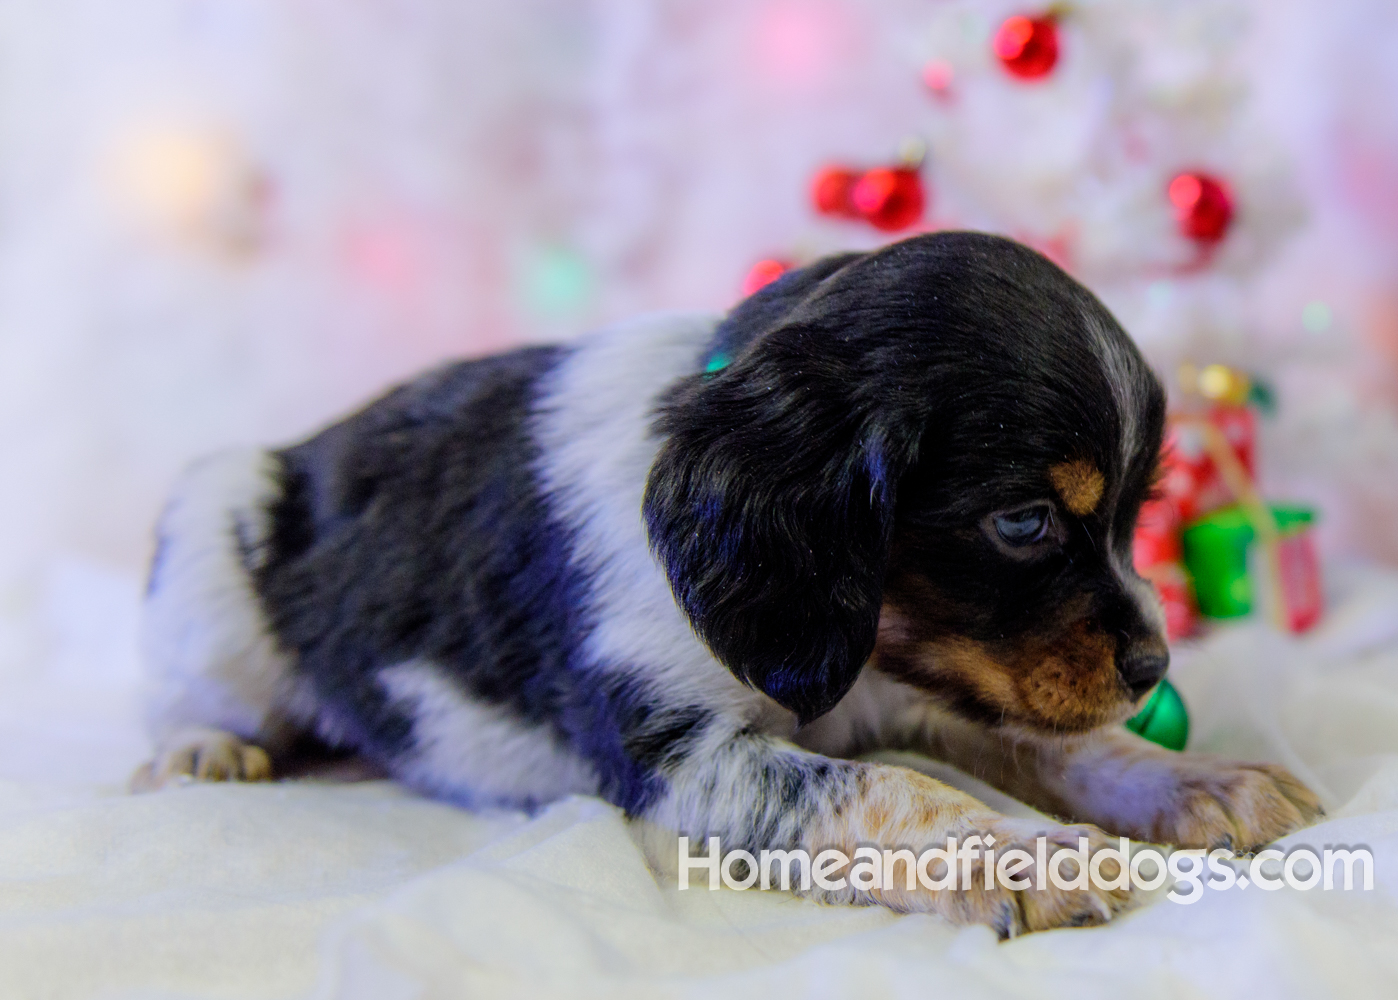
<point>363,890</point>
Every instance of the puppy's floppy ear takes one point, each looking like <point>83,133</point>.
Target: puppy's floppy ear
<point>770,503</point>
<point>773,303</point>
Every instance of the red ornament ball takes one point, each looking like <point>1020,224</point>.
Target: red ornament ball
<point>1027,46</point>
<point>1203,206</point>
<point>763,273</point>
<point>831,191</point>
<point>889,198</point>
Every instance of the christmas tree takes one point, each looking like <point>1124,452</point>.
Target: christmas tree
<point>1118,140</point>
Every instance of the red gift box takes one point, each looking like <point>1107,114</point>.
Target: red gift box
<point>1190,486</point>
<point>1172,584</point>
<point>1191,482</point>
<point>1193,486</point>
<point>1299,572</point>
<point>1157,553</point>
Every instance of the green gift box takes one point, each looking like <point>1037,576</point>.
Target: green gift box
<point>1216,556</point>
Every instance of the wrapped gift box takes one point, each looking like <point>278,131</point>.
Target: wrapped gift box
<point>1218,553</point>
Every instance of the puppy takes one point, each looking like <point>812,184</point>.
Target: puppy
<point>696,565</point>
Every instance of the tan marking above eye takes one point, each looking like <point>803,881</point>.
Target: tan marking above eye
<point>1079,483</point>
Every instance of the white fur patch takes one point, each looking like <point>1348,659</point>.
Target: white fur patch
<point>209,656</point>
<point>475,753</point>
<point>1116,365</point>
<point>593,428</point>
<point>717,788</point>
<point>878,711</point>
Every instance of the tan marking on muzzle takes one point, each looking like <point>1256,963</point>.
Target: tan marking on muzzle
<point>1079,483</point>
<point>1068,683</point>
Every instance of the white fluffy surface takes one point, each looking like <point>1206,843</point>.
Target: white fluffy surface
<point>315,889</point>
<point>424,156</point>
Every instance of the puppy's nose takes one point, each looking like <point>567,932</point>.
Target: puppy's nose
<point>1142,667</point>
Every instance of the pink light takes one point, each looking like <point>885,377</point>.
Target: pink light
<point>797,43</point>
<point>937,76</point>
<point>384,256</point>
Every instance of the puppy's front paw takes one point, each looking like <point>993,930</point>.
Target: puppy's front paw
<point>1221,803</point>
<point>1038,907</point>
<point>203,755</point>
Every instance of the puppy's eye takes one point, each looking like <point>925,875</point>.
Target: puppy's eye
<point>1024,530</point>
<point>1024,527</point>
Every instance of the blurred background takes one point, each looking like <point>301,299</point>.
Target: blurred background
<point>229,221</point>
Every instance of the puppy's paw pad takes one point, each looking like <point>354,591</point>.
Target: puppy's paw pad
<point>203,755</point>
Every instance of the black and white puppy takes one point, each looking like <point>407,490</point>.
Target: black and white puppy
<point>695,564</point>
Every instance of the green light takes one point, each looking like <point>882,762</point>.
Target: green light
<point>556,282</point>
<point>1263,396</point>
<point>716,363</point>
<point>1316,316</point>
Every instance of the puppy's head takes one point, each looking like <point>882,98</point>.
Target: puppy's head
<point>934,453</point>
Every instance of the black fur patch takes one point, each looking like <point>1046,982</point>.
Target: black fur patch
<point>759,311</point>
<point>416,530</point>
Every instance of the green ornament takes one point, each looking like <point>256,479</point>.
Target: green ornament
<point>1164,719</point>
<point>717,363</point>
